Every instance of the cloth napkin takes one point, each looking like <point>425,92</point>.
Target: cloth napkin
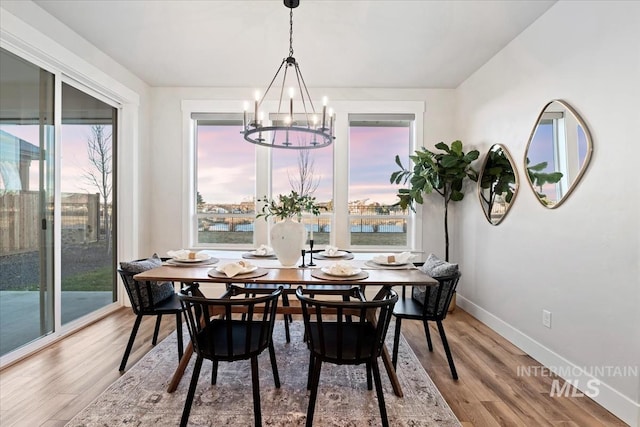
<point>342,269</point>
<point>264,250</point>
<point>234,268</point>
<point>401,258</point>
<point>331,250</point>
<point>183,254</point>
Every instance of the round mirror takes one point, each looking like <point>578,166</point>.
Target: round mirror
<point>497,184</point>
<point>557,154</point>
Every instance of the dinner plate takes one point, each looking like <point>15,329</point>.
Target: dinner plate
<point>336,254</point>
<point>262,255</point>
<point>395,263</point>
<point>251,269</point>
<point>327,270</point>
<point>201,259</point>
<point>177,263</point>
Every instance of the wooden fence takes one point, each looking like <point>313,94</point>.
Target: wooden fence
<point>21,220</point>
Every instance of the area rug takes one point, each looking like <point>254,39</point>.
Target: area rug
<point>139,397</point>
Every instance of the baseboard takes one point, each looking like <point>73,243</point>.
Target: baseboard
<point>606,396</point>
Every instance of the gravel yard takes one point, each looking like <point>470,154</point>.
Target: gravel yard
<point>19,271</point>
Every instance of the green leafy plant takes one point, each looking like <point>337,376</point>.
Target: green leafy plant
<point>444,173</point>
<point>498,178</point>
<point>288,205</point>
<point>539,178</point>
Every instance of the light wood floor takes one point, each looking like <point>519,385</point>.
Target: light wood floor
<point>50,387</point>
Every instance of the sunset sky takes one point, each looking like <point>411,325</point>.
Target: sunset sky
<point>226,172</point>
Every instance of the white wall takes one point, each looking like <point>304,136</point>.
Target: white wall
<point>581,260</point>
<point>164,156</point>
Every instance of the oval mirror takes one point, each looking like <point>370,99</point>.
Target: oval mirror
<point>557,153</point>
<point>497,184</point>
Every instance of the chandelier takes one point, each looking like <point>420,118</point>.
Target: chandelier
<point>299,128</point>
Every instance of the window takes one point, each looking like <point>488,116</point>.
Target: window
<point>374,141</point>
<point>225,181</point>
<point>350,179</point>
<point>307,172</point>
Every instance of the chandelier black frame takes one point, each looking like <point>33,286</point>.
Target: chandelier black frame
<point>308,131</point>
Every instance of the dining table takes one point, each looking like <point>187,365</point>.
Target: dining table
<point>268,271</point>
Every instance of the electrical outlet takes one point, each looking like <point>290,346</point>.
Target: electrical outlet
<point>546,318</point>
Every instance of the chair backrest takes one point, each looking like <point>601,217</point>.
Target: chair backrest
<point>347,332</point>
<point>144,295</point>
<point>217,334</point>
<point>437,298</point>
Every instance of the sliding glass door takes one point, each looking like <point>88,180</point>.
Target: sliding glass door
<point>87,138</point>
<point>26,202</point>
<point>57,214</point>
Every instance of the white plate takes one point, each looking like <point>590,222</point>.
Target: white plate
<point>327,270</point>
<point>337,254</point>
<point>244,270</point>
<point>262,255</point>
<point>200,259</point>
<point>389,263</point>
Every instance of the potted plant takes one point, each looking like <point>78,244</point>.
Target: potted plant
<point>444,173</point>
<point>539,178</point>
<point>497,183</point>
<point>288,237</point>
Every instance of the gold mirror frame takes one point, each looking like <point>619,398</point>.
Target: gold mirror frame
<point>498,184</point>
<point>556,170</point>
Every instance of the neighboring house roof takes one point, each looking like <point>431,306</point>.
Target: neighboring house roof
<point>14,151</point>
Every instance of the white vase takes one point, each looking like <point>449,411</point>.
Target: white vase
<point>288,237</point>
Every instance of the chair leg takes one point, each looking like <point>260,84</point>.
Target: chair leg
<point>369,383</point>
<point>310,373</point>
<point>132,338</point>
<point>428,334</point>
<point>192,391</point>
<point>156,330</point>
<point>288,318</point>
<point>274,365</point>
<point>314,392</point>
<point>179,333</point>
<point>257,413</point>
<point>381,404</point>
<point>214,372</point>
<point>443,336</point>
<point>396,342</point>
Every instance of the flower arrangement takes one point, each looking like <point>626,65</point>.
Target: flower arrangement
<point>288,205</point>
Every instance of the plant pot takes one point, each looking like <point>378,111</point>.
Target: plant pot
<point>288,238</point>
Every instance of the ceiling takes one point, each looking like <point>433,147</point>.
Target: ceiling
<point>338,43</point>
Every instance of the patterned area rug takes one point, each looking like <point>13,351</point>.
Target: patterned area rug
<point>139,397</point>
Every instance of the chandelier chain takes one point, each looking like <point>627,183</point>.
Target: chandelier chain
<point>291,32</point>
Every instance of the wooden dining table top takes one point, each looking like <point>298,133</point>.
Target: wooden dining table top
<point>379,276</point>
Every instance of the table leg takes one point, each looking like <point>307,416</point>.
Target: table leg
<point>393,376</point>
<point>182,366</point>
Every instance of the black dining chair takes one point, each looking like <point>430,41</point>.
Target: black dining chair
<point>346,333</point>
<point>435,307</point>
<point>288,318</point>
<point>149,299</point>
<point>217,335</point>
